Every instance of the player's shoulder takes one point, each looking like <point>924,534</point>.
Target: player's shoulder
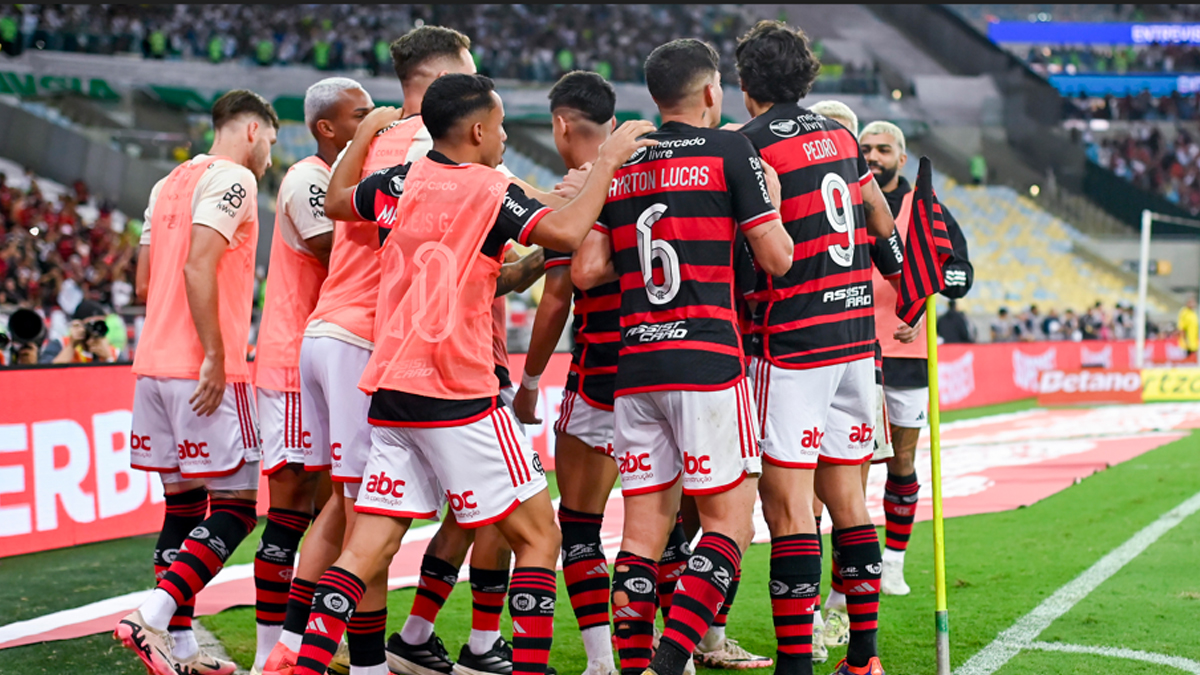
<point>222,169</point>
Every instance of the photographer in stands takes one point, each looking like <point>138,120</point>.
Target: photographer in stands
<point>87,341</point>
<point>21,345</point>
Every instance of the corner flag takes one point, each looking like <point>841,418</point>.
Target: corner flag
<point>926,251</point>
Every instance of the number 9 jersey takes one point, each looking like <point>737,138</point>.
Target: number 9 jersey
<point>822,311</point>
<point>673,213</point>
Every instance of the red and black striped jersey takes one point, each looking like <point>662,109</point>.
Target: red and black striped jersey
<point>673,212</point>
<point>822,311</point>
<point>597,332</point>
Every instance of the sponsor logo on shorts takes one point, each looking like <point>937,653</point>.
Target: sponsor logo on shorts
<point>811,438</point>
<point>335,451</point>
<point>634,463</point>
<point>862,433</point>
<point>537,464</point>
<point>383,486</point>
<point>190,450</point>
<point>139,443</point>
<point>464,505</point>
<point>696,465</point>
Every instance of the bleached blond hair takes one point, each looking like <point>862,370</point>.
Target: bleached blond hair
<point>838,112</point>
<point>882,127</point>
<point>322,96</point>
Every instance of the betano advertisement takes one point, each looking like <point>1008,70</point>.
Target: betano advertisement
<point>64,432</point>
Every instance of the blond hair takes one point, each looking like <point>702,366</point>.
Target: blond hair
<point>838,112</point>
<point>882,127</point>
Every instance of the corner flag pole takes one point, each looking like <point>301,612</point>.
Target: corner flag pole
<point>941,615</point>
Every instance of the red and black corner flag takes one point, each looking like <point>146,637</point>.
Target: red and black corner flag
<point>926,251</point>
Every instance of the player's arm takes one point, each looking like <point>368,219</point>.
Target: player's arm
<point>339,200</point>
<point>141,284</point>
<point>551,199</point>
<point>321,246</point>
<point>592,264</point>
<point>564,229</point>
<point>548,324</point>
<point>200,281</point>
<point>959,272</point>
<point>754,190</point>
<point>520,272</point>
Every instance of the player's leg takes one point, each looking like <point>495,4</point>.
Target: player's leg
<point>486,652</point>
<point>586,473</point>
<point>292,503</point>
<point>491,474</point>
<point>223,449</point>
<point>907,412</point>
<point>848,443</point>
<point>718,440</point>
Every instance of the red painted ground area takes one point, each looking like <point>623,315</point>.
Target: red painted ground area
<point>990,464</point>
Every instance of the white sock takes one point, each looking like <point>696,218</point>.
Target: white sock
<point>158,609</point>
<point>185,644</point>
<point>714,638</point>
<point>597,643</point>
<point>291,640</point>
<point>893,556</point>
<point>836,600</point>
<point>379,669</point>
<point>268,636</point>
<point>481,641</point>
<point>818,620</point>
<point>416,630</point>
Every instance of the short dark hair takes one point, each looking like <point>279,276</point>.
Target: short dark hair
<point>419,45</point>
<point>776,63</point>
<point>672,69</point>
<point>452,97</point>
<point>587,93</point>
<point>239,102</point>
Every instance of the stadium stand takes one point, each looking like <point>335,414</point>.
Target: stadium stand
<point>1160,159</point>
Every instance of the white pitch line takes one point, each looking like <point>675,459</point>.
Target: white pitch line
<point>1023,633</point>
<point>1186,665</point>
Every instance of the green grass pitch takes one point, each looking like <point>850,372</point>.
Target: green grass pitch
<point>1000,566</point>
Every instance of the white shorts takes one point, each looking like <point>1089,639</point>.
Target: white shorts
<point>507,394</point>
<point>710,438</point>
<point>245,478</point>
<point>334,407</point>
<point>592,425</point>
<point>883,429</point>
<point>167,436</point>
<point>907,407</point>
<point>806,414</point>
<point>286,431</point>
<point>485,469</point>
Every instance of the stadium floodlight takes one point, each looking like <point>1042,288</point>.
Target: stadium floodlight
<point>1148,218</point>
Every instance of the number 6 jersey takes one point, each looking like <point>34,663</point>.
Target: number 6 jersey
<point>821,312</point>
<point>673,213</point>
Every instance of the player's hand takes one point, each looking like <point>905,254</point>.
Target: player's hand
<point>732,126</point>
<point>210,389</point>
<point>625,141</point>
<point>380,118</point>
<point>773,187</point>
<point>906,334</point>
<point>572,183</point>
<point>525,405</point>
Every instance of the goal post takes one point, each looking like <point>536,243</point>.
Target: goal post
<point>1148,219</point>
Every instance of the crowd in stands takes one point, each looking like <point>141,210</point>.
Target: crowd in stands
<point>1155,58</point>
<point>1095,323</point>
<point>1131,107</point>
<point>1151,162</point>
<point>527,42</point>
<point>57,252</point>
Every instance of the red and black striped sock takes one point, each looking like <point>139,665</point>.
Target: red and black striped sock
<point>699,594</point>
<point>671,564</point>
<point>835,566</point>
<point>722,617</point>
<point>795,586</point>
<point>274,562</point>
<point>365,638</point>
<point>437,581</point>
<point>338,594</point>
<point>861,564</point>
<point>488,590</point>
<point>900,495</point>
<point>634,619</point>
<point>821,553</point>
<point>185,511</point>
<point>299,605</point>
<point>208,547</point>
<point>585,570</point>
<point>531,604</point>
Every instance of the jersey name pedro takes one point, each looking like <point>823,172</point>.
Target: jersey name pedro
<point>673,213</point>
<point>822,311</point>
